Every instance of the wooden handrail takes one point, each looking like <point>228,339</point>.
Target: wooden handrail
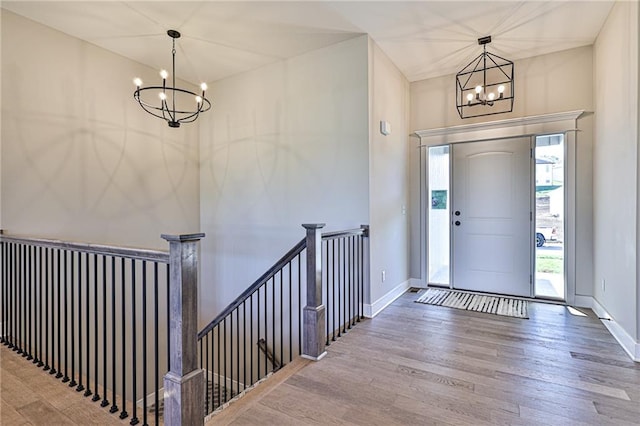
<point>288,257</point>
<point>130,253</point>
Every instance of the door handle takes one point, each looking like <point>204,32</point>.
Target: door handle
<point>457,213</point>
<point>457,223</point>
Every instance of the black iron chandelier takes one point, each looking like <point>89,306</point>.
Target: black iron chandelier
<point>485,85</point>
<point>170,103</point>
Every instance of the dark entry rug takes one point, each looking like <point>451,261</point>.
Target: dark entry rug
<point>496,305</point>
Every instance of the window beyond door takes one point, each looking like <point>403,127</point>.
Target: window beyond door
<point>550,202</point>
<point>439,234</point>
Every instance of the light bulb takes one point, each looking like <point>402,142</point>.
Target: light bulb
<point>137,82</point>
<point>164,74</point>
<point>162,96</point>
<point>198,99</point>
<point>501,89</point>
<point>478,89</point>
<point>470,97</point>
<point>203,86</point>
<point>492,96</point>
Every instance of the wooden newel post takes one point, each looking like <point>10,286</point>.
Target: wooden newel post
<point>313,344</point>
<point>184,383</point>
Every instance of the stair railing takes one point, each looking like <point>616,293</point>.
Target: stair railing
<point>111,321</point>
<point>107,321</point>
<point>285,313</point>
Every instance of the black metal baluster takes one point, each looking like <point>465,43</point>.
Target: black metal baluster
<point>65,301</point>
<point>251,337</point>
<point>144,343</point>
<point>114,406</point>
<point>299,304</point>
<point>134,378</point>
<point>223,387</point>
<point>213,369</point>
<point>202,362</point>
<point>29,304</point>
<point>219,370</point>
<point>123,413</point>
<point>252,346</point>
<point>355,279</point>
<point>326,279</point>
<point>55,325</point>
<point>231,351</point>
<point>266,327</point>
<point>27,309</point>
<point>156,348</point>
<point>281,321</point>
<point>80,386</point>
<point>96,395</point>
<point>105,387</point>
<point>87,334</point>
<point>3,288</point>
<point>237,350</point>
<point>59,310</point>
<point>40,308</point>
<point>73,333</point>
<point>14,291</point>
<point>349,280</point>
<point>333,288</point>
<point>361,302</point>
<point>273,322</point>
<point>290,316</point>
<point>206,373</point>
<point>21,301</point>
<point>244,343</point>
<point>47,303</point>
<point>168,323</point>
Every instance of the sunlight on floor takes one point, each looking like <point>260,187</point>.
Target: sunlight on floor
<point>576,312</point>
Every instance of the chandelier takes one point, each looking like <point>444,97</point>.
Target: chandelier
<point>170,103</point>
<point>485,85</point>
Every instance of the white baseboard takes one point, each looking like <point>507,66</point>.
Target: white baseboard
<point>376,307</point>
<point>628,343</point>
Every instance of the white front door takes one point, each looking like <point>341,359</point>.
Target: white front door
<point>491,216</point>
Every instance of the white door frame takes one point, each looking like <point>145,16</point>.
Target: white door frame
<point>565,122</point>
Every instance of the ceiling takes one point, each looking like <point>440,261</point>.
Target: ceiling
<point>423,38</point>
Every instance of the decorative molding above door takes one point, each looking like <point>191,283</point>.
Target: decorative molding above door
<point>513,127</point>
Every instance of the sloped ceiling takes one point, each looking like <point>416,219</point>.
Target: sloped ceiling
<point>423,38</point>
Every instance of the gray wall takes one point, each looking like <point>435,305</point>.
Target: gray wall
<point>286,144</point>
<point>80,159</point>
<point>388,175</point>
<point>616,213</point>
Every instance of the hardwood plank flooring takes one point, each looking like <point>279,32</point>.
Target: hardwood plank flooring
<point>413,364</point>
<point>422,364</point>
<point>30,396</point>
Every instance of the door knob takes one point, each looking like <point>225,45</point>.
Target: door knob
<point>457,213</point>
<point>457,223</point>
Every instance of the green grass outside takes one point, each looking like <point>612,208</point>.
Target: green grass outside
<point>549,263</point>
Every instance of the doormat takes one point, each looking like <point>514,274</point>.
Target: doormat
<point>496,305</point>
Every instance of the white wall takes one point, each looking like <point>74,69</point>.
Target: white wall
<point>616,213</point>
<point>389,175</point>
<point>556,82</point>
<point>286,144</point>
<point>80,159</point>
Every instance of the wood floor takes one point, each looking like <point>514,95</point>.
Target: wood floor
<point>413,364</point>
<point>30,396</point>
<point>417,364</point>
